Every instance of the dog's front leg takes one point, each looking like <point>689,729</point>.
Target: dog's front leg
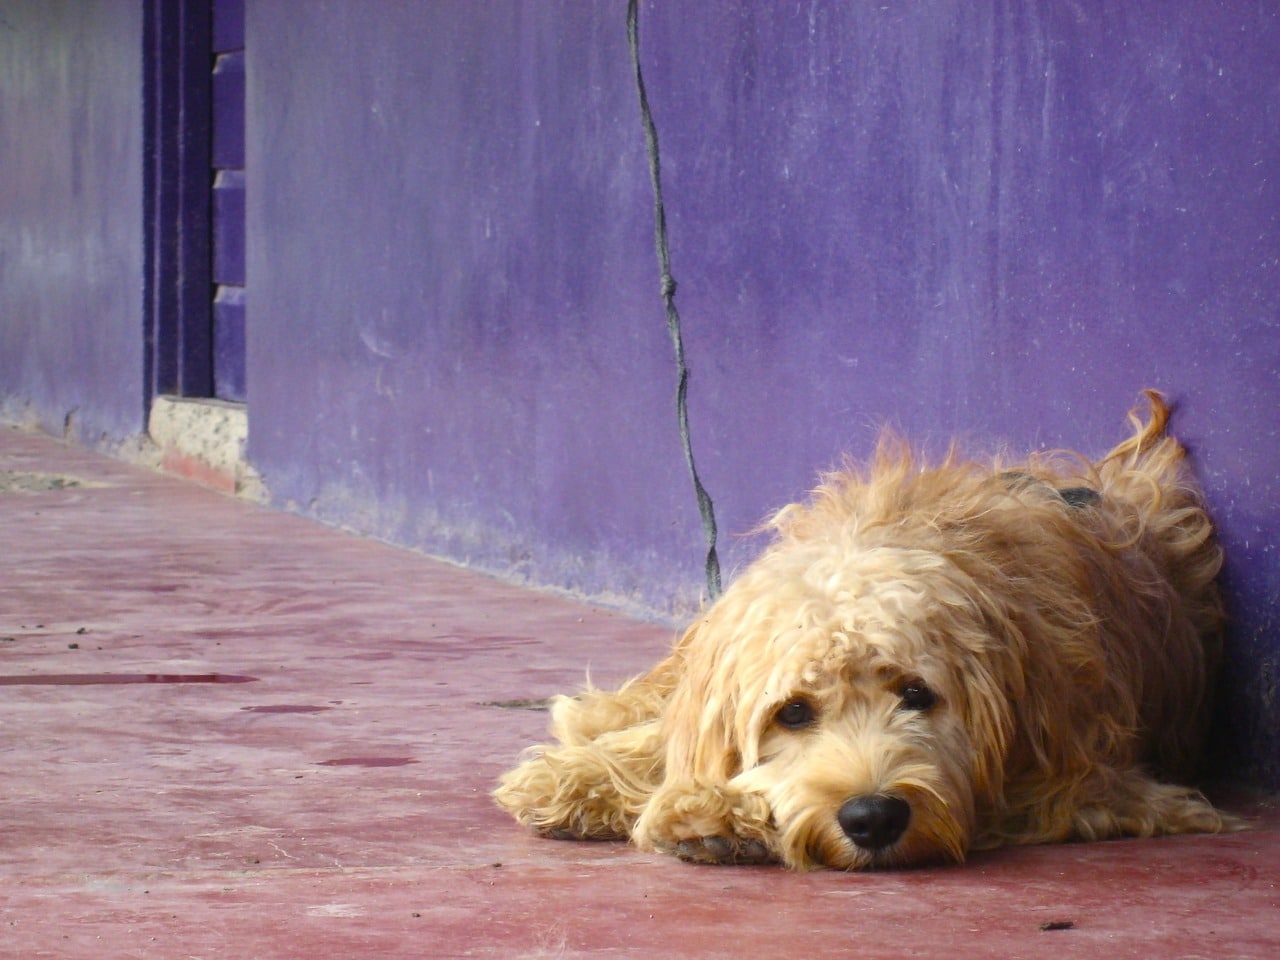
<point>585,791</point>
<point>705,823</point>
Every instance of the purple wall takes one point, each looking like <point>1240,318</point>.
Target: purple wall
<point>988,218</point>
<point>454,336</point>
<point>71,217</point>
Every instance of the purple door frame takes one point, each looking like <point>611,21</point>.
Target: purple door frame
<point>177,91</point>
<point>227,162</point>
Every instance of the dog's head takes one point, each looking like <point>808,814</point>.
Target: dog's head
<point>867,693</point>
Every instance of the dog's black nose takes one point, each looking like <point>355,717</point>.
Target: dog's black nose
<point>874,822</point>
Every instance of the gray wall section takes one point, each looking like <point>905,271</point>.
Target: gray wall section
<point>998,220</point>
<point>71,217</point>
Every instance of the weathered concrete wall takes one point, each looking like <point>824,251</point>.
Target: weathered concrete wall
<point>71,216</point>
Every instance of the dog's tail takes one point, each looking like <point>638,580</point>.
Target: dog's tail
<point>1149,471</point>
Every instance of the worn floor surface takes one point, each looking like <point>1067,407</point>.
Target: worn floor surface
<point>228,732</point>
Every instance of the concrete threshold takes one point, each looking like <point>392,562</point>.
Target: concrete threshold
<point>231,732</point>
<point>204,440</point>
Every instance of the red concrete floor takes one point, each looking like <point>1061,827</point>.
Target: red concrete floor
<point>327,797</point>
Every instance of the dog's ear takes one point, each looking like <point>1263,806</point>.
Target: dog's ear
<point>989,692</point>
<point>699,723</point>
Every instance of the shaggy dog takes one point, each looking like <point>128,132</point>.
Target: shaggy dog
<point>926,661</point>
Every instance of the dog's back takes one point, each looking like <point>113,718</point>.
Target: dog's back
<point>1128,532</point>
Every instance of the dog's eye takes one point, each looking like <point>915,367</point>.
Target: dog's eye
<point>916,695</point>
<point>795,714</point>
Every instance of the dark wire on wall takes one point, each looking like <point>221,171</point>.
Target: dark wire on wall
<point>705,507</point>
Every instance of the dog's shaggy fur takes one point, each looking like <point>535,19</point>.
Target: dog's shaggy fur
<point>927,660</point>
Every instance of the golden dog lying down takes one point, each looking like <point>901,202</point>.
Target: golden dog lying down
<point>927,660</point>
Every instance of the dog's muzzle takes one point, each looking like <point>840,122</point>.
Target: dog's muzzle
<point>874,822</point>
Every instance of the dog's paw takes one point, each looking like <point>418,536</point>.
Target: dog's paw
<point>723,850</point>
<point>703,823</point>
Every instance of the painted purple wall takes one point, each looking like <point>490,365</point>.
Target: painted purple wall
<point>989,218</point>
<point>452,330</point>
<point>995,219</point>
<point>71,217</point>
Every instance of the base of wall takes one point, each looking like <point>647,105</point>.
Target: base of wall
<point>204,441</point>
